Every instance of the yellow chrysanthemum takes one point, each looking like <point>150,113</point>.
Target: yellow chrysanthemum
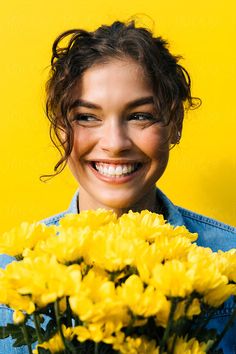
<point>97,332</point>
<point>149,226</point>
<point>18,317</point>
<point>189,311</point>
<point>136,345</point>
<point>44,279</point>
<point>185,346</point>
<point>172,279</point>
<point>182,231</point>
<point>109,248</point>
<point>24,236</point>
<point>129,269</point>
<point>144,218</point>
<point>55,344</point>
<point>173,247</point>
<point>97,301</point>
<point>204,270</point>
<point>88,218</point>
<point>145,223</point>
<point>220,294</point>
<point>72,238</point>
<point>161,319</point>
<point>142,302</point>
<point>9,295</point>
<point>82,333</point>
<point>146,257</point>
<point>227,264</point>
<point>165,248</point>
<point>69,245</point>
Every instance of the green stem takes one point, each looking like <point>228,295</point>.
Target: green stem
<point>226,327</point>
<point>173,344</point>
<point>26,337</point>
<point>174,303</point>
<point>38,328</point>
<point>189,302</point>
<point>76,321</point>
<point>58,322</point>
<point>68,313</point>
<point>187,305</point>
<point>96,348</point>
<point>69,348</point>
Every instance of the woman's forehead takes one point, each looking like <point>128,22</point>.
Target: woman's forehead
<point>116,80</point>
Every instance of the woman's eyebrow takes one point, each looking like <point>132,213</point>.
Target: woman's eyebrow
<point>83,103</point>
<point>140,101</point>
<point>132,104</point>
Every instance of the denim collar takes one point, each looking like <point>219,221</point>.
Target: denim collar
<point>167,208</point>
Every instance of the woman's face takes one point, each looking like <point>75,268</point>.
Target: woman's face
<point>120,146</point>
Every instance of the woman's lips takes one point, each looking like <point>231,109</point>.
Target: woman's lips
<point>115,172</point>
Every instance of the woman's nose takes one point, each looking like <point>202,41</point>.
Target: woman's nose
<point>115,137</point>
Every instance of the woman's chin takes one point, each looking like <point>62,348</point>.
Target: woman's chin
<point>117,205</point>
<point>125,202</point>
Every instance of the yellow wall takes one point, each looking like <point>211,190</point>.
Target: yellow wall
<point>202,169</point>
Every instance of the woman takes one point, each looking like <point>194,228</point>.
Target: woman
<point>116,99</point>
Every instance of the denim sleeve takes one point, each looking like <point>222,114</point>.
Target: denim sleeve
<point>228,343</point>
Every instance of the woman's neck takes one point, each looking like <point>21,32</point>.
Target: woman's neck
<point>146,202</point>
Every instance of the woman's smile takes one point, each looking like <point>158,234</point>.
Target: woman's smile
<point>116,172</point>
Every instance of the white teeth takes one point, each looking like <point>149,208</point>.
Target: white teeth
<point>105,170</point>
<point>114,170</point>
<point>129,167</point>
<point>111,171</point>
<point>125,169</point>
<point>119,171</point>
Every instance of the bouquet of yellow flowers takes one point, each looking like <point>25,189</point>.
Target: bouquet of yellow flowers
<point>101,284</point>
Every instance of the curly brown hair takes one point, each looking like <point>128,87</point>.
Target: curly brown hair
<point>170,81</point>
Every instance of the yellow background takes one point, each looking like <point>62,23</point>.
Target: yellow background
<point>201,172</point>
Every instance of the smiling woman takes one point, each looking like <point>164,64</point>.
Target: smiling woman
<point>116,99</point>
<point>121,145</point>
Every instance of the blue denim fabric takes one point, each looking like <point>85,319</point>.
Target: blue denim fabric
<point>211,233</point>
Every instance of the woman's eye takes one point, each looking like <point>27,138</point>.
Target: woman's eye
<point>84,118</point>
<point>142,117</point>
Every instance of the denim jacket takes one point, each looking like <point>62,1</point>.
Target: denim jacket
<point>211,233</point>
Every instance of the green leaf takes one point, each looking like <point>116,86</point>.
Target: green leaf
<point>12,328</point>
<point>20,341</point>
<point>182,326</point>
<point>15,331</point>
<point>9,330</point>
<point>43,351</point>
<point>4,332</point>
<point>51,329</point>
<point>207,334</point>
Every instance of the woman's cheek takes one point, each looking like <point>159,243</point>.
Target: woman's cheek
<point>155,144</point>
<point>84,140</point>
